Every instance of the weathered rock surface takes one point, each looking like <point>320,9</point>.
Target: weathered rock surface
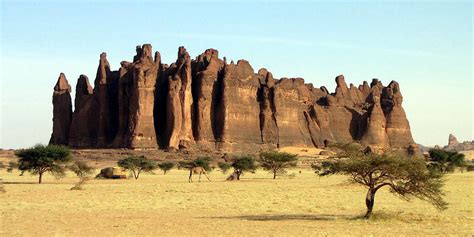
<point>208,104</point>
<point>455,145</point>
<point>85,121</point>
<point>207,68</point>
<point>62,111</point>
<point>238,112</point>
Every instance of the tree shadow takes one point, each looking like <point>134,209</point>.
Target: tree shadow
<point>285,217</point>
<point>18,182</point>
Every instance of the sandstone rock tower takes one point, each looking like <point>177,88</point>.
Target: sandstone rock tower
<point>206,103</point>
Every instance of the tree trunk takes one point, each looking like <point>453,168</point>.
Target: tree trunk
<point>40,177</point>
<point>274,174</point>
<point>369,202</point>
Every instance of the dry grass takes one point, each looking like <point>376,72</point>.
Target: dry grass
<point>469,155</point>
<point>255,206</point>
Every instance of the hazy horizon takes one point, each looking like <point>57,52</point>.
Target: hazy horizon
<point>426,47</point>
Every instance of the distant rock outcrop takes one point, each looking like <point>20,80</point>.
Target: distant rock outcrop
<point>455,145</point>
<point>207,103</point>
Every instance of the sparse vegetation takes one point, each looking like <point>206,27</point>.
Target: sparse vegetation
<point>224,166</point>
<point>11,166</point>
<point>406,177</point>
<point>166,166</point>
<point>137,164</point>
<point>446,161</point>
<point>40,159</point>
<point>83,171</point>
<point>241,164</point>
<point>277,162</point>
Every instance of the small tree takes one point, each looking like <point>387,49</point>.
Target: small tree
<point>203,161</point>
<point>137,164</point>
<point>224,167</point>
<point>406,177</point>
<point>446,161</point>
<point>277,162</point>
<point>40,159</point>
<point>242,164</point>
<point>166,166</point>
<point>83,171</point>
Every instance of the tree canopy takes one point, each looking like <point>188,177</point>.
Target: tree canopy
<point>137,164</point>
<point>277,162</point>
<point>446,161</point>
<point>166,166</point>
<point>406,177</point>
<point>243,164</point>
<point>40,159</point>
<point>203,161</point>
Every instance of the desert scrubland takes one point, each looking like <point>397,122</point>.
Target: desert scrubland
<point>299,204</point>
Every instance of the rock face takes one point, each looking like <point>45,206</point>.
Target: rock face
<point>455,145</point>
<point>62,111</point>
<point>206,103</point>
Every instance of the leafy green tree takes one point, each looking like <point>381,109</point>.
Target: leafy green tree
<point>83,171</point>
<point>202,161</point>
<point>166,166</point>
<point>242,164</point>
<point>40,159</point>
<point>224,166</point>
<point>137,165</point>
<point>406,177</point>
<point>446,161</point>
<point>277,162</point>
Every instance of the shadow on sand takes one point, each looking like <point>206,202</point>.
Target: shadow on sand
<point>303,217</point>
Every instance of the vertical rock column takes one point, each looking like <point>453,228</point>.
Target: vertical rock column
<point>206,71</point>
<point>62,111</point>
<point>398,127</point>
<point>179,103</point>
<point>85,123</point>
<point>141,127</point>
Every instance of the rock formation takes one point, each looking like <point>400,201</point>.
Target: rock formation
<point>207,103</point>
<point>62,111</point>
<point>455,145</point>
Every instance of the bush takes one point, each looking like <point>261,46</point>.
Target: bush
<point>83,171</point>
<point>166,166</point>
<point>137,164</point>
<point>446,161</point>
<point>11,166</point>
<point>40,159</point>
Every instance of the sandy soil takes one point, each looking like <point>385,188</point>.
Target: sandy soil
<point>166,205</point>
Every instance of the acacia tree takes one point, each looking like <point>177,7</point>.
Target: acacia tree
<point>40,159</point>
<point>224,166</point>
<point>166,166</point>
<point>83,171</point>
<point>242,164</point>
<point>406,177</point>
<point>137,165</point>
<point>277,162</point>
<point>446,161</point>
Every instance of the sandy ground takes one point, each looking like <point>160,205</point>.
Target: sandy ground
<point>167,205</point>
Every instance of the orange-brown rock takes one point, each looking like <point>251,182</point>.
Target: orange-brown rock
<point>207,68</point>
<point>238,112</point>
<point>62,111</point>
<point>206,104</point>
<point>179,102</point>
<point>85,123</point>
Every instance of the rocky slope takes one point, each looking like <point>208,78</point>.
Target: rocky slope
<point>207,104</point>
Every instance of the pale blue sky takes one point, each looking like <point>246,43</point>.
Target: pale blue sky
<point>425,46</point>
